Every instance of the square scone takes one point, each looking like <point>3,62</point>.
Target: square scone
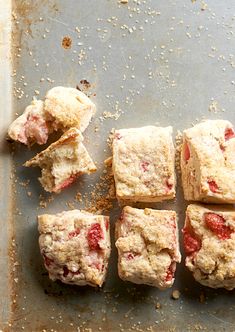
<point>75,246</point>
<point>208,162</point>
<point>148,246</point>
<point>209,244</point>
<point>143,164</point>
<point>63,162</point>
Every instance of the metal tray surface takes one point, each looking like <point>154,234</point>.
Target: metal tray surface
<point>167,62</point>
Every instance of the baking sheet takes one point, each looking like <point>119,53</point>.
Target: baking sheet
<point>166,62</point>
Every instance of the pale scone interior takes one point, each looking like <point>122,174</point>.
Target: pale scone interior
<point>63,161</point>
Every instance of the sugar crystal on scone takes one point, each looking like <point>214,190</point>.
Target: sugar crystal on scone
<point>209,244</point>
<point>63,162</point>
<point>75,246</point>
<point>208,162</point>
<point>148,246</point>
<point>143,164</point>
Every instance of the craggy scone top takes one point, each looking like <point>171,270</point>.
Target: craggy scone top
<point>148,248</point>
<point>209,243</point>
<point>75,246</point>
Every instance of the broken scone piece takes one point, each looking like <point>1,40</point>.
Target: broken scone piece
<point>68,107</point>
<point>75,246</point>
<point>208,162</point>
<point>31,126</point>
<point>143,164</point>
<point>63,109</point>
<point>209,244</point>
<point>148,246</point>
<point>63,161</point>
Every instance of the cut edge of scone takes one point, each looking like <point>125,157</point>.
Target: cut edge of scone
<point>94,279</point>
<point>65,115</point>
<point>63,161</point>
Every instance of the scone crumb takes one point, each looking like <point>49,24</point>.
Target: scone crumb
<point>202,297</point>
<point>158,305</point>
<point>78,197</point>
<point>175,294</point>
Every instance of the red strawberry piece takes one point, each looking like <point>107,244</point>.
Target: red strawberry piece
<point>66,271</point>
<point>107,224</point>
<point>191,243</point>
<point>229,133</point>
<point>95,234</point>
<point>216,224</point>
<point>213,186</point>
<point>68,182</point>
<point>169,185</point>
<point>74,233</point>
<point>144,165</point>
<point>170,272</point>
<point>186,152</point>
<point>48,261</point>
<point>118,136</point>
<point>130,256</point>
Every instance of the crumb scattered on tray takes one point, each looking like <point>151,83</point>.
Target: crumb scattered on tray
<point>175,294</point>
<point>158,305</point>
<point>66,42</point>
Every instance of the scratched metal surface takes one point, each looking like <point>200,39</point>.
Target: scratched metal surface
<point>160,62</point>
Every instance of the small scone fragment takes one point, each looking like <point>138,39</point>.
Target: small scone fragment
<point>143,164</point>
<point>148,246</point>
<point>75,246</point>
<point>63,109</point>
<point>31,126</point>
<point>208,162</point>
<point>63,161</point>
<point>68,107</point>
<point>209,244</point>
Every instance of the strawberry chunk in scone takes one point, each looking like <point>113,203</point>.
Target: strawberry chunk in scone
<point>209,244</point>
<point>208,162</point>
<point>143,164</point>
<point>148,246</point>
<point>63,162</point>
<point>75,246</point>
